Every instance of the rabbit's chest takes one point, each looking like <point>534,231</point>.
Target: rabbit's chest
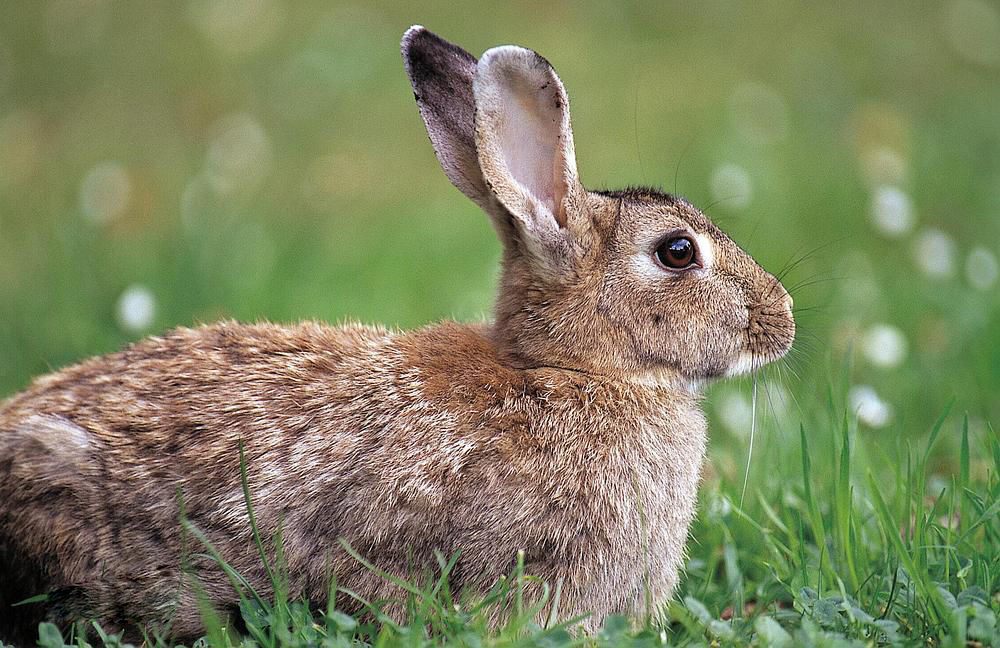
<point>668,470</point>
<point>654,515</point>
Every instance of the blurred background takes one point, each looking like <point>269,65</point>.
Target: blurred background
<point>169,163</point>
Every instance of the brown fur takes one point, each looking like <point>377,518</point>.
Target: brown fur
<point>569,429</point>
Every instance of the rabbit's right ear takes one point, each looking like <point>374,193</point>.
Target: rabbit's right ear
<point>441,74</point>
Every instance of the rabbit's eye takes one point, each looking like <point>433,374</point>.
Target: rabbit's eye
<point>676,252</point>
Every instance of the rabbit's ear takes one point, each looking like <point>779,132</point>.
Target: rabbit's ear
<point>441,74</point>
<point>525,142</point>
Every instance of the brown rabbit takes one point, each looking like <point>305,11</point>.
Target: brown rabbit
<point>569,428</point>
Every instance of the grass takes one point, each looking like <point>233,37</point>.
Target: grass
<point>855,545</point>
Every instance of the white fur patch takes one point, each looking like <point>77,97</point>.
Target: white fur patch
<point>706,248</point>
<point>745,363</point>
<point>55,432</point>
<point>644,266</point>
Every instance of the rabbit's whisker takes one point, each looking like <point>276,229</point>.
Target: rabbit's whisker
<point>753,430</point>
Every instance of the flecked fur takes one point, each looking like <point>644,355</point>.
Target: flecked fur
<point>569,428</point>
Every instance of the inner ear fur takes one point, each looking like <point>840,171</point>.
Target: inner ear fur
<point>524,138</point>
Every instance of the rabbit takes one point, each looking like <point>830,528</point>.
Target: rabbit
<point>569,429</point>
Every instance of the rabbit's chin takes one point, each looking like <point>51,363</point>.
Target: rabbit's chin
<point>748,361</point>
<point>671,378</point>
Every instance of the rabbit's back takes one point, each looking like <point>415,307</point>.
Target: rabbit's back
<point>96,459</point>
<point>402,444</point>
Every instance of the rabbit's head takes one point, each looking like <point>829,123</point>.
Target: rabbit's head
<point>633,283</point>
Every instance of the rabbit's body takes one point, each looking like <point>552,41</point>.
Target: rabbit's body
<point>569,428</point>
<point>377,437</point>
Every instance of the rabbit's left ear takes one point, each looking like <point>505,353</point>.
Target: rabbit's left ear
<point>525,143</point>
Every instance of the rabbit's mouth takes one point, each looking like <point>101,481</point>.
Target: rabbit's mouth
<point>768,336</point>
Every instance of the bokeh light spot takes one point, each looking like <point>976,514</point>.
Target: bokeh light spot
<point>239,156</point>
<point>878,127</point>
<point>731,186</point>
<point>892,211</point>
<point>973,30</point>
<point>883,166</point>
<point>105,192</point>
<point>884,345</point>
<point>981,268</point>
<point>735,412</point>
<point>870,408</point>
<point>934,253</point>
<point>136,309</point>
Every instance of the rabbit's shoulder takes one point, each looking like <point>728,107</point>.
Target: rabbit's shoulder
<point>457,369</point>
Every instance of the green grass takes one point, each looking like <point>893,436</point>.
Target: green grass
<point>343,213</point>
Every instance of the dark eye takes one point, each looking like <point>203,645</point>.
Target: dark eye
<point>676,252</point>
